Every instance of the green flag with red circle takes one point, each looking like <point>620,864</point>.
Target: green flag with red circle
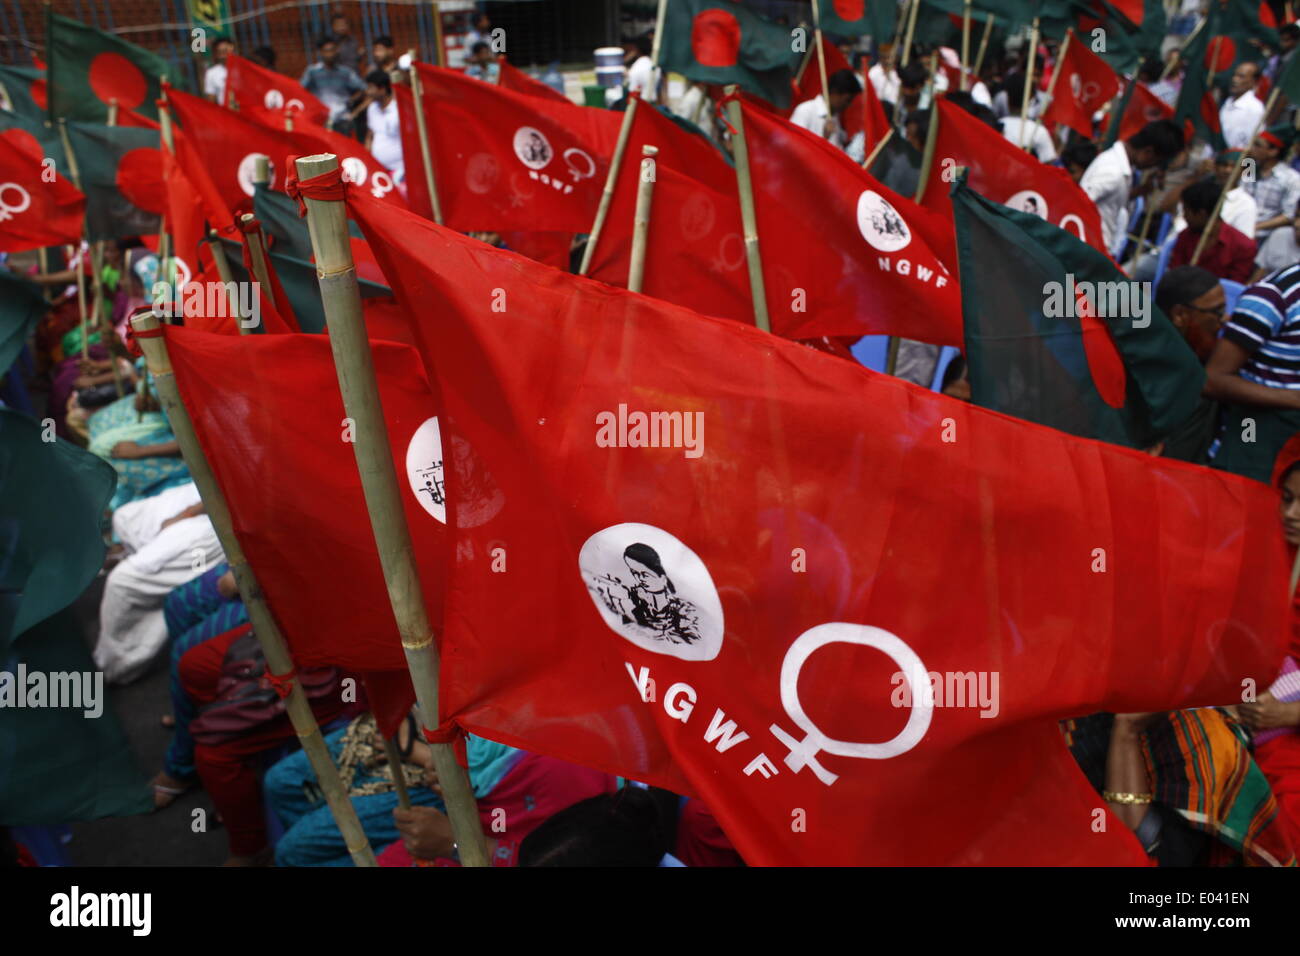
<point>88,68</point>
<point>119,168</point>
<point>712,42</point>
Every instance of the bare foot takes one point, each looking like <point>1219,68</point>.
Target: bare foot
<point>167,788</point>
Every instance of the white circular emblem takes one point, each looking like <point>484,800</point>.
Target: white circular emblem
<point>354,170</point>
<point>1029,201</point>
<point>424,469</point>
<point>880,223</point>
<point>245,173</point>
<point>479,499</point>
<point>653,591</point>
<point>532,147</point>
<point>273,100</point>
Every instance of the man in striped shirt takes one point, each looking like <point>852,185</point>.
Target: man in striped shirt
<point>1255,371</point>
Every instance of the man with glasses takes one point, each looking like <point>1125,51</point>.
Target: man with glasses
<point>1193,300</point>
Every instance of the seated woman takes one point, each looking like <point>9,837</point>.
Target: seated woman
<point>168,540</point>
<point>312,838</point>
<point>133,435</point>
<point>195,612</point>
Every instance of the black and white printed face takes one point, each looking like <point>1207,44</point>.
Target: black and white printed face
<point>880,223</point>
<point>654,591</point>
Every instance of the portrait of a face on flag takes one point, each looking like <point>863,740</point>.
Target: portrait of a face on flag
<point>652,433</point>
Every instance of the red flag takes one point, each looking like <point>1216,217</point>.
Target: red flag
<point>270,418</point>
<point>515,79</point>
<point>695,249</point>
<point>1007,175</point>
<point>1143,107</point>
<point>506,160</point>
<point>38,207</point>
<point>842,253</point>
<point>1086,84</point>
<point>230,142</point>
<point>255,88</point>
<point>552,248</point>
<point>749,607</point>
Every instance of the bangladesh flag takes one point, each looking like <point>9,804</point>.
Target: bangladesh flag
<point>88,68</point>
<point>120,169</point>
<point>47,555</point>
<point>1038,305</point>
<point>22,304</point>
<point>877,19</point>
<point>1196,105</point>
<point>57,763</point>
<point>35,135</point>
<point>713,42</point>
<point>22,91</point>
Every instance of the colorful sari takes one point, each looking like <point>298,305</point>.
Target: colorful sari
<point>136,477</point>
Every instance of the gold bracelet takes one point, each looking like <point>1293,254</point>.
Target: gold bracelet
<point>1127,798</point>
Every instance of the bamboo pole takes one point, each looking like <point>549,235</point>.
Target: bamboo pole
<point>399,775</point>
<point>1029,81</point>
<point>984,45</point>
<point>278,659</point>
<point>1051,87</point>
<point>327,222</point>
<point>227,278</point>
<point>1231,184</point>
<point>641,224</point>
<point>931,134</point>
<point>965,44</point>
<point>745,187</point>
<point>611,180</point>
<point>871,157</point>
<point>661,16</point>
<point>421,127</point>
<point>821,64</point>
<point>166,267</point>
<point>257,252</point>
<point>907,40</point>
<point>898,30</point>
<point>85,241</point>
<point>440,48</point>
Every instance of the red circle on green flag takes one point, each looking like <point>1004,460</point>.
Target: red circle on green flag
<point>1227,54</point>
<point>715,38</point>
<point>113,75</point>
<point>850,9</point>
<point>140,179</point>
<point>37,92</point>
<point>1266,16</point>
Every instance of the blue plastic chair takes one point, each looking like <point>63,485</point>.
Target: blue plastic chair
<point>872,351</point>
<point>1166,250</point>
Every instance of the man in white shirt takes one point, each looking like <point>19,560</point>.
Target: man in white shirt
<point>383,130</point>
<point>814,116</point>
<point>1030,135</point>
<point>1109,180</point>
<point>883,76</point>
<point>1241,112</point>
<point>214,78</point>
<point>641,76</point>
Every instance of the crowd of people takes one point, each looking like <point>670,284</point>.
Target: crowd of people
<point>170,600</point>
